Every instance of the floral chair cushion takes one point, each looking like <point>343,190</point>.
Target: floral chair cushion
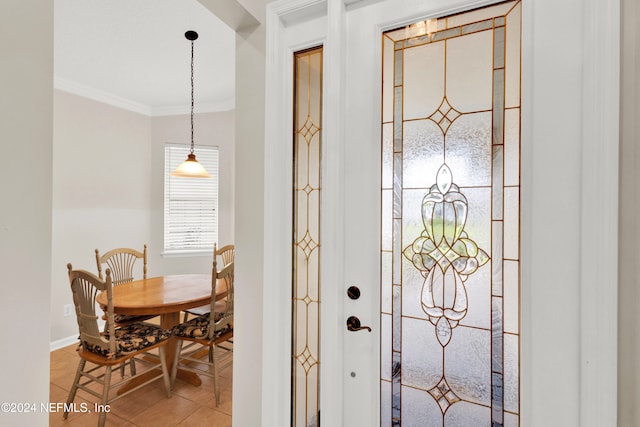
<point>198,328</point>
<point>128,318</point>
<point>132,337</point>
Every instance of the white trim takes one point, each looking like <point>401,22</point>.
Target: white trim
<point>332,207</point>
<point>64,342</point>
<point>100,96</point>
<point>276,328</point>
<point>85,91</point>
<point>276,400</point>
<point>599,245</point>
<point>227,104</point>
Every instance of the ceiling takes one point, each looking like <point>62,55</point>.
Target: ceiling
<point>133,54</point>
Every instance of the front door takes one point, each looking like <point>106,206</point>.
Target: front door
<point>431,210</point>
<point>408,264</point>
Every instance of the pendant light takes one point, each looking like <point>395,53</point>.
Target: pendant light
<point>191,168</point>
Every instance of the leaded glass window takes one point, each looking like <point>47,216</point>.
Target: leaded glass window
<point>450,247</point>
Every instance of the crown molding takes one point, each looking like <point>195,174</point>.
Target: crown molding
<point>100,96</point>
<point>136,107</point>
<point>226,104</point>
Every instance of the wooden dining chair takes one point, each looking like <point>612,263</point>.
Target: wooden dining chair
<point>226,255</point>
<point>212,331</point>
<point>122,262</point>
<point>104,349</point>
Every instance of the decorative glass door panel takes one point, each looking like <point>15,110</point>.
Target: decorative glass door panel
<point>305,367</point>
<point>450,257</point>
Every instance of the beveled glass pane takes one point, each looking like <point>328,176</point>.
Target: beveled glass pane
<point>477,26</point>
<point>497,184</point>
<point>479,218</point>
<point>412,291</point>
<point>387,155</point>
<point>412,224</point>
<point>396,387</point>
<point>423,155</point>
<point>511,297</point>
<point>497,407</point>
<point>479,299</point>
<point>513,58</point>
<point>496,259</point>
<point>511,222</point>
<point>498,48</point>
<point>512,147</point>
<point>419,409</point>
<point>396,318</point>
<point>469,372</point>
<point>511,373</point>
<point>385,404</point>
<point>387,81</point>
<point>422,355</point>
<point>387,220</point>
<point>511,420</point>
<point>385,349</point>
<point>397,185</point>
<point>498,106</point>
<point>468,149</point>
<point>470,91</point>
<point>496,344</point>
<point>465,414</point>
<point>397,250</point>
<point>397,119</point>
<point>397,66</point>
<point>385,290</point>
<point>424,74</point>
<point>446,34</point>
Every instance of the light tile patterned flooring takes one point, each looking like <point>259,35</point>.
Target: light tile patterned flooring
<point>149,406</point>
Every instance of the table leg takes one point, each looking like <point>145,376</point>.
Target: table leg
<point>167,321</point>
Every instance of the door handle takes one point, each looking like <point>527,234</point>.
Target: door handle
<point>353,324</point>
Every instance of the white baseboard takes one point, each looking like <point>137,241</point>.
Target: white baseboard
<point>56,345</point>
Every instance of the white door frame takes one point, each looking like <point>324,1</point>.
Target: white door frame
<point>569,307</point>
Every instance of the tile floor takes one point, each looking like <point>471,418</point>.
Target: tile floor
<point>149,406</point>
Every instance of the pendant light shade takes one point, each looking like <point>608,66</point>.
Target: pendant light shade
<point>191,168</point>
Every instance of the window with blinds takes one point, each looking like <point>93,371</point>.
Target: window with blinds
<point>190,204</point>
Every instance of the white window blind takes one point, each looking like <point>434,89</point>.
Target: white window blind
<point>190,204</point>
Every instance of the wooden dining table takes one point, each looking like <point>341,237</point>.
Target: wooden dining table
<point>166,296</point>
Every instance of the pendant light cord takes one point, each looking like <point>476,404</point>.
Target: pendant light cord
<point>192,91</point>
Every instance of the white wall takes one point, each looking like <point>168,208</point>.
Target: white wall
<point>245,17</point>
<point>26,85</point>
<point>101,191</point>
<point>250,226</point>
